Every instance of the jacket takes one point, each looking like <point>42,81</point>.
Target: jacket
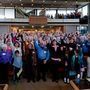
<point>42,52</point>
<point>5,56</point>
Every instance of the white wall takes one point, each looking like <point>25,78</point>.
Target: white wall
<point>70,28</point>
<point>4,29</point>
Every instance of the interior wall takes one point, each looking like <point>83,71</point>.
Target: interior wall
<point>4,29</point>
<point>70,28</point>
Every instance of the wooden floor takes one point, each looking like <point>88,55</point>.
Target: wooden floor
<point>48,85</point>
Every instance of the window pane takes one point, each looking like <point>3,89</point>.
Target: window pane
<point>85,10</point>
<point>1,13</point>
<point>51,13</point>
<point>9,13</point>
<point>70,11</point>
<point>80,10</point>
<point>62,12</point>
<point>38,12</point>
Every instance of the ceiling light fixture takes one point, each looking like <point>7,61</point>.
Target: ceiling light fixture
<point>66,1</point>
<point>43,1</point>
<point>76,1</point>
<point>32,0</point>
<point>32,26</point>
<point>0,4</point>
<point>21,4</point>
<point>42,26</point>
<point>32,4</point>
<point>11,3</point>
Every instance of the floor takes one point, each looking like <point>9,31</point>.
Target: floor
<point>48,85</point>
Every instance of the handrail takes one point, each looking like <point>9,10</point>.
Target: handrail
<point>73,85</point>
<point>5,86</point>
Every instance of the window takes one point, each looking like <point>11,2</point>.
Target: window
<point>85,10</point>
<point>51,13</point>
<point>2,14</point>
<point>82,29</point>
<point>38,12</point>
<point>80,10</point>
<point>62,12</point>
<point>9,13</point>
<point>70,11</point>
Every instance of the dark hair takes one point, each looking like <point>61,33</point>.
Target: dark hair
<point>16,52</point>
<point>17,43</point>
<point>53,41</point>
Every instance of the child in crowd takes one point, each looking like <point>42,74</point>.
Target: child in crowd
<point>17,63</point>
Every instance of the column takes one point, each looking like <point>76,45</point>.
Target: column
<point>36,12</point>
<point>56,13</point>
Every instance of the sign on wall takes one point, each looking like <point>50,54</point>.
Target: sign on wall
<point>38,20</point>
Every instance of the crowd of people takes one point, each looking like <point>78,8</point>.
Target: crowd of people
<point>74,15</point>
<point>41,55</point>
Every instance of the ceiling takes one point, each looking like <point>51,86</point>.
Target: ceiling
<point>44,3</point>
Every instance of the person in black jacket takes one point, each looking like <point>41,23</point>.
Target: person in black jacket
<point>30,73</point>
<point>55,59</point>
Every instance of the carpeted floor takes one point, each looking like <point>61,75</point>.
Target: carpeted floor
<point>48,85</point>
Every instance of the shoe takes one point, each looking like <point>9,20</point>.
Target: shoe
<point>44,79</point>
<point>33,81</point>
<point>53,80</point>
<point>68,80</point>
<point>65,80</point>
<point>28,81</point>
<point>56,81</point>
<point>38,79</point>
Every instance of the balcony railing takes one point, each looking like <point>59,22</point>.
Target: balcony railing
<point>49,21</point>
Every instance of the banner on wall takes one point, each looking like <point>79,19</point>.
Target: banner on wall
<point>38,20</point>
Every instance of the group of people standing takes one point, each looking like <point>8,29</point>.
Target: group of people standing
<point>41,55</point>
